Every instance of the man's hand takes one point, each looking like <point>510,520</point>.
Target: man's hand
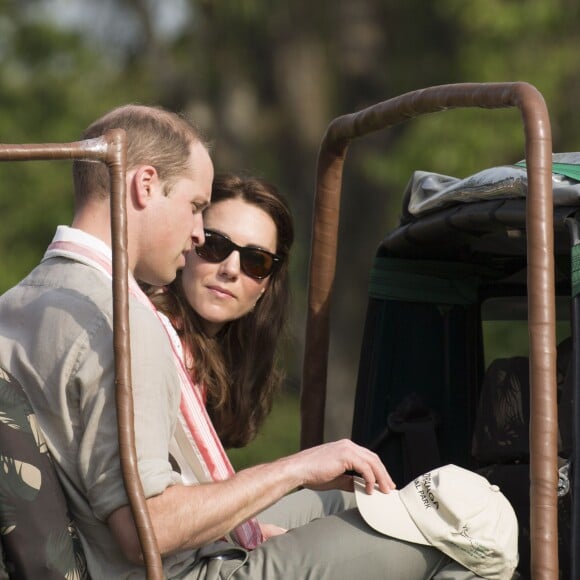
<point>326,467</point>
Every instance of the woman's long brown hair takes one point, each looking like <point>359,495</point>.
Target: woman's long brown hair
<point>238,366</point>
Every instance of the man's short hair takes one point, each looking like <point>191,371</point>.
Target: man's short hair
<point>155,137</point>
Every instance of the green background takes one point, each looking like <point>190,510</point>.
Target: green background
<point>263,79</point>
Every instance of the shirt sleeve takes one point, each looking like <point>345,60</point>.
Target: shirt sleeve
<point>156,395</point>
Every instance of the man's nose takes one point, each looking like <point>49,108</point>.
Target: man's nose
<point>197,233</point>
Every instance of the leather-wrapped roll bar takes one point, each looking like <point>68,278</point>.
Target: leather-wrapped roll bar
<point>110,149</point>
<point>541,300</point>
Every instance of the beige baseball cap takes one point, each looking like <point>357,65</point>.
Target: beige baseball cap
<point>453,509</point>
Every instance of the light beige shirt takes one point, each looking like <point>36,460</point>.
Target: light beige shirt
<point>56,339</point>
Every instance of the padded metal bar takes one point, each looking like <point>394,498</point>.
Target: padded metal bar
<point>538,145</point>
<point>110,149</point>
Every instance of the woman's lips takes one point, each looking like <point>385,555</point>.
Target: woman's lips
<point>221,291</point>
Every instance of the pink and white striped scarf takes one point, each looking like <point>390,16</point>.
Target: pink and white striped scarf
<point>206,455</point>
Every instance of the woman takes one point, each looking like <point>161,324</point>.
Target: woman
<point>229,304</point>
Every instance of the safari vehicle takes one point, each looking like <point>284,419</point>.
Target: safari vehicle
<point>497,248</point>
<point>473,258</point>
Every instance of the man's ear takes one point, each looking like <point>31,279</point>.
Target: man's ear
<point>142,182</point>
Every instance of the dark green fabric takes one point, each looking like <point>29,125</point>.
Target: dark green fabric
<point>433,282</point>
<point>39,539</point>
<point>417,346</point>
<point>419,349</point>
<point>575,257</point>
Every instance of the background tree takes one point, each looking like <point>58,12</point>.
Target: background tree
<point>263,79</point>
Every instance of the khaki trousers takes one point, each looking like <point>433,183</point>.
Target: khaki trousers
<point>327,540</point>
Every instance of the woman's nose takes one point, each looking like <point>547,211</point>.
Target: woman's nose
<point>230,266</point>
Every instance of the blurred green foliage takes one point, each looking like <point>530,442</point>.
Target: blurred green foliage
<point>263,80</point>
<point>279,436</point>
<point>503,339</point>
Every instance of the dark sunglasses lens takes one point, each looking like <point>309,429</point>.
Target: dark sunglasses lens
<point>254,263</point>
<point>215,249</point>
<point>257,264</point>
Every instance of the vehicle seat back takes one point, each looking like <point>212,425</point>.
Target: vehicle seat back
<point>38,537</point>
<point>501,433</point>
<point>501,446</point>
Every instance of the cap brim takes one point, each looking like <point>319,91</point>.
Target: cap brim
<point>386,513</point>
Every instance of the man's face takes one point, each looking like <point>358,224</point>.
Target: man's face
<point>174,222</point>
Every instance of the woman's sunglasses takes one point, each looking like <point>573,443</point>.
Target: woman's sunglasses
<point>254,262</point>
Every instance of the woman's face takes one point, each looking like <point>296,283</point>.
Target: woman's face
<point>222,292</point>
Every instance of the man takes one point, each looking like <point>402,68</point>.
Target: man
<point>55,338</point>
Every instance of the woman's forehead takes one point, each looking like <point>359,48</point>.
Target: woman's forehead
<point>243,222</point>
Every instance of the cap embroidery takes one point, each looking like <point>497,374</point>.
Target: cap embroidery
<point>475,549</point>
<point>423,486</point>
